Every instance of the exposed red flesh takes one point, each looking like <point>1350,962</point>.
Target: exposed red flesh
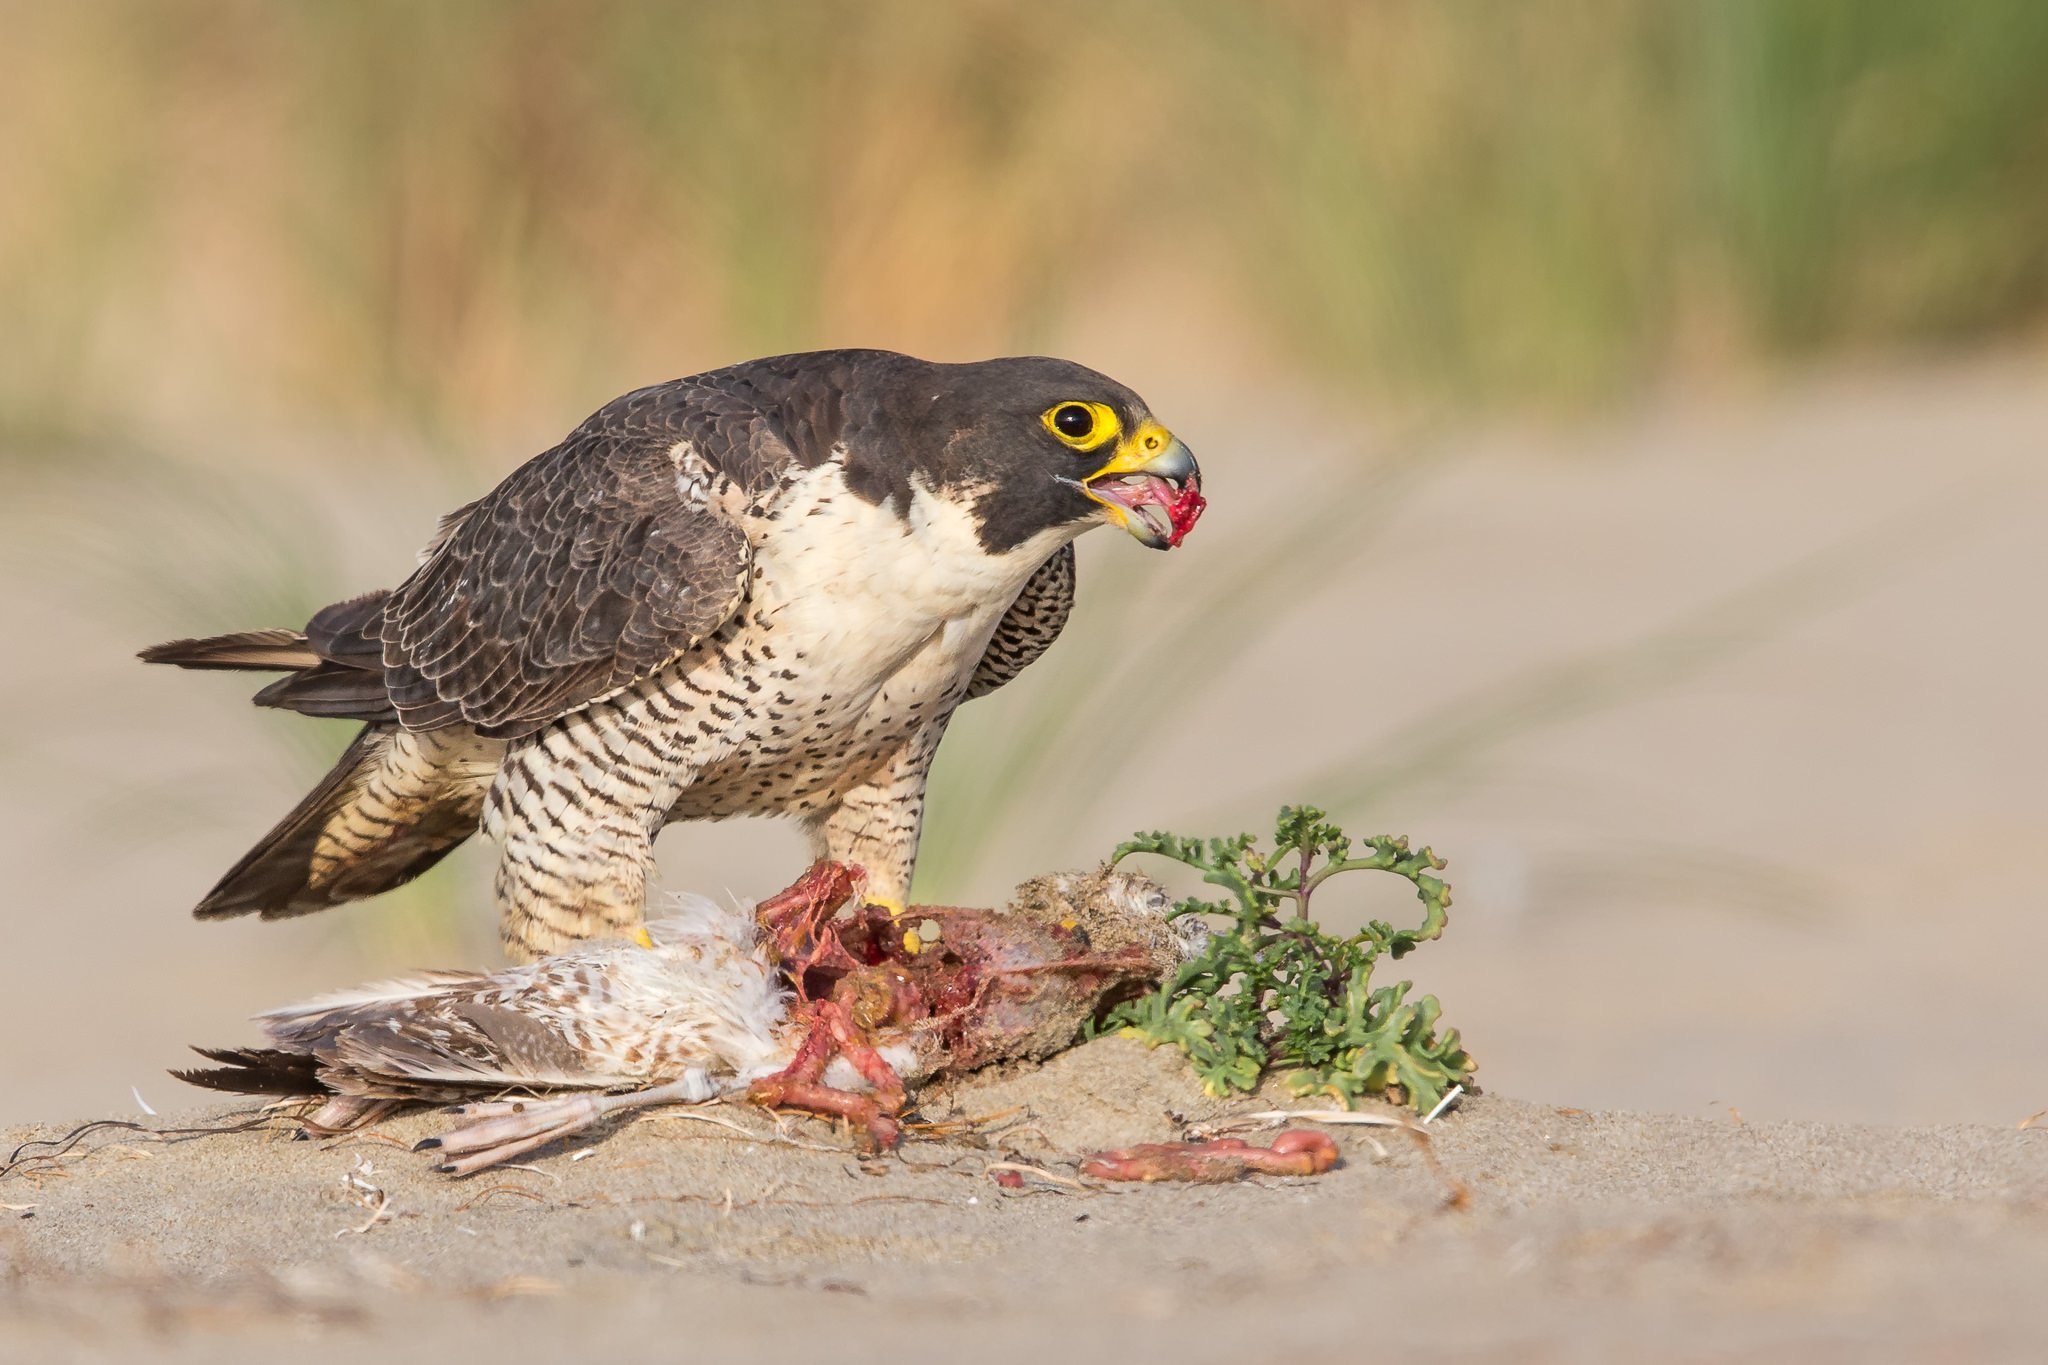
<point>793,923</point>
<point>1185,510</point>
<point>1182,503</point>
<point>995,987</point>
<point>1298,1151</point>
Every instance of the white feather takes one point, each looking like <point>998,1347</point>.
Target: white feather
<point>417,986</point>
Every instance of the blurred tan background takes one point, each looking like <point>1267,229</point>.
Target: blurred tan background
<point>1624,426</point>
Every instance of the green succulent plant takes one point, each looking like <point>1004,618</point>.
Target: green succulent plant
<point>1274,994</point>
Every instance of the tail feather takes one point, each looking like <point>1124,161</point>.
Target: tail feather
<point>248,649</point>
<point>256,1071</point>
<point>393,805</point>
<point>333,668</point>
<point>351,632</point>
<point>277,1071</point>
<point>333,690</point>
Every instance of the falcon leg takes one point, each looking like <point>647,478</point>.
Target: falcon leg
<point>876,825</point>
<point>498,1130</point>
<point>576,843</point>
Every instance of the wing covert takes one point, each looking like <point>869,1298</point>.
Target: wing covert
<point>585,569</point>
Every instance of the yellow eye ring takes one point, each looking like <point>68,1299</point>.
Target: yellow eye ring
<point>1084,426</point>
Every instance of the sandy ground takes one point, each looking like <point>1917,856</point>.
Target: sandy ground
<point>1728,717</point>
<point>1585,1236</point>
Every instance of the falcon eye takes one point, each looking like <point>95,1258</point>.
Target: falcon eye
<point>1084,426</point>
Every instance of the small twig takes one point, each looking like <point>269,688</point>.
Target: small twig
<point>1337,1116</point>
<point>486,1193</point>
<point>696,1117</point>
<point>1013,1139</point>
<point>948,1127</point>
<point>364,1135</point>
<point>718,1201</point>
<point>1450,1098</point>
<point>779,1138</point>
<point>1050,1177</point>
<point>63,1145</point>
<point>522,1166</point>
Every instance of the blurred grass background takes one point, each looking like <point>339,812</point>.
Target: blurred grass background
<point>420,241</point>
<point>456,220</point>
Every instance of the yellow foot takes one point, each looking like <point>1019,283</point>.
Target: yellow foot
<point>912,943</point>
<point>642,937</point>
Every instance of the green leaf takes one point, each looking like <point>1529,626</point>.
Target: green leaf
<point>1269,994</point>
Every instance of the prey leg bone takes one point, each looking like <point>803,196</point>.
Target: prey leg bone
<point>801,1085</point>
<point>497,1130</point>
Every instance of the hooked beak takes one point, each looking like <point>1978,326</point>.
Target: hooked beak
<point>1152,487</point>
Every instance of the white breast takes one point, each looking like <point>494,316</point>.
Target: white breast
<point>879,600</point>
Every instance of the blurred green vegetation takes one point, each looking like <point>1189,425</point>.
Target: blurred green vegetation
<point>452,219</point>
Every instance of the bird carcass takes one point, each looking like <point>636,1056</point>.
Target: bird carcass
<point>811,1000</point>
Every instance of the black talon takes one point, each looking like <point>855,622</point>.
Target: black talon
<point>426,1144</point>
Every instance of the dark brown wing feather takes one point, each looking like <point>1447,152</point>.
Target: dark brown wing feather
<point>587,568</point>
<point>1030,626</point>
<point>584,570</point>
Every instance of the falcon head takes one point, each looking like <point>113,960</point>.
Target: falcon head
<point>1149,484</point>
<point>1044,445</point>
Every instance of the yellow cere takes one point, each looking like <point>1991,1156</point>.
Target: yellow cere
<point>1139,449</point>
<point>642,937</point>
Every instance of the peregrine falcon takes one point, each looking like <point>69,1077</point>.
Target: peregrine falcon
<point>761,590</point>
